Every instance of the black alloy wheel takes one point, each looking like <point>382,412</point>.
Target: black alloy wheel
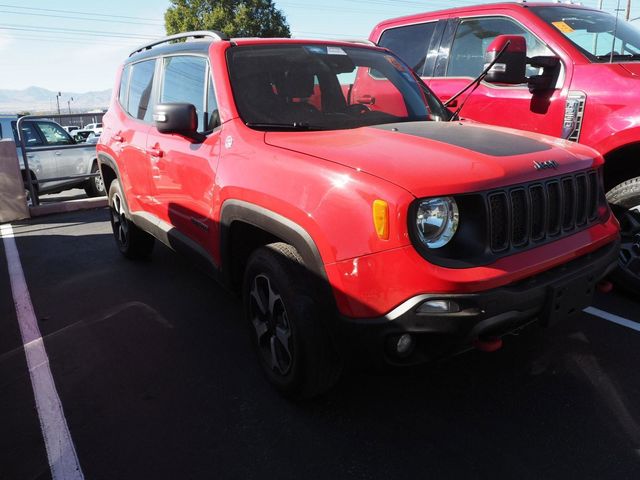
<point>271,324</point>
<point>132,242</point>
<point>628,275</point>
<point>119,221</point>
<point>287,318</point>
<point>625,204</point>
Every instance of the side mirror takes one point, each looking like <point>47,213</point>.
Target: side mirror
<point>549,76</point>
<point>178,118</point>
<point>512,64</point>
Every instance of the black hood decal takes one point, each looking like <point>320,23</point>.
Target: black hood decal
<point>472,137</point>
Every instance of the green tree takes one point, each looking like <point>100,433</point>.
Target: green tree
<point>236,18</point>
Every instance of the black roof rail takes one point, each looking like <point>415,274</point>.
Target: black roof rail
<point>213,34</point>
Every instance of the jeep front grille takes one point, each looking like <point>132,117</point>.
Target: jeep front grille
<point>523,215</point>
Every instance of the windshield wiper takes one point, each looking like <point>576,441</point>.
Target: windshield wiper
<point>282,126</point>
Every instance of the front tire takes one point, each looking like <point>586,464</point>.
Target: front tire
<point>625,203</point>
<point>287,322</point>
<point>132,242</point>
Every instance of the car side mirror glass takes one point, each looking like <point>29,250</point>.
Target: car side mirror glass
<point>512,64</point>
<point>177,118</point>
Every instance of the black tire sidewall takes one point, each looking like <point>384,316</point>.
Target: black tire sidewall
<point>297,305</point>
<point>115,189</point>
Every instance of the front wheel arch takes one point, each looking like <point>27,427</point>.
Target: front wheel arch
<point>267,227</point>
<point>621,164</point>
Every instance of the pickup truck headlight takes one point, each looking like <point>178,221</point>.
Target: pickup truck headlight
<point>437,221</point>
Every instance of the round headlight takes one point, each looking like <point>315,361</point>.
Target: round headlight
<point>437,221</point>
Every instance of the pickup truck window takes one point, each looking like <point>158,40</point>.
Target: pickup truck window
<point>592,32</point>
<point>474,36</point>
<point>53,134</point>
<point>410,43</point>
<point>31,136</point>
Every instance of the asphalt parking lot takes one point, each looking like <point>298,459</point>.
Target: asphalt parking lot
<point>154,370</point>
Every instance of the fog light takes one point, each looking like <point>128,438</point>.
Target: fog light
<point>404,345</point>
<point>438,306</point>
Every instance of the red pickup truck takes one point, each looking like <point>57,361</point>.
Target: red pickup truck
<point>581,84</point>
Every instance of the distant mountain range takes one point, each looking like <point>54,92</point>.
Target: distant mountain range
<point>41,100</point>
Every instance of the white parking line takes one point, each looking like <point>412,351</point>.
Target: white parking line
<point>61,452</point>
<point>613,318</point>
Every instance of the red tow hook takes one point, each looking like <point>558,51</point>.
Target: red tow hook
<point>488,344</point>
<point>605,286</point>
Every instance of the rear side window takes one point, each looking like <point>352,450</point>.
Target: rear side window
<point>124,84</point>
<point>474,35</point>
<point>31,136</point>
<point>184,82</point>
<point>140,84</point>
<point>410,43</point>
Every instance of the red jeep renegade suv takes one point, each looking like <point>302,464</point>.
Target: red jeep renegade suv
<point>349,228</point>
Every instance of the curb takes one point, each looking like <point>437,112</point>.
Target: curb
<point>68,206</point>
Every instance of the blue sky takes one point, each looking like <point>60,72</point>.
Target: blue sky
<point>76,47</point>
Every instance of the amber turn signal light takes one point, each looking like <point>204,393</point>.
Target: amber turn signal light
<point>381,219</point>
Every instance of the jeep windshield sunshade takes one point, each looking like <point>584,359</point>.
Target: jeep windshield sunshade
<point>326,87</point>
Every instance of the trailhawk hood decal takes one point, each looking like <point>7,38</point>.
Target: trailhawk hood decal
<point>438,158</point>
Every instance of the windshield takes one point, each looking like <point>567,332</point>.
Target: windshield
<point>326,87</point>
<point>592,31</point>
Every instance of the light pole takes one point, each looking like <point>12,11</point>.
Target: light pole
<point>58,101</point>
<point>69,104</point>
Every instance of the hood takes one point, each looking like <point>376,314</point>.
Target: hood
<point>441,158</point>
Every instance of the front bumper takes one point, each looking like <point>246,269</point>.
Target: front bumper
<point>553,295</point>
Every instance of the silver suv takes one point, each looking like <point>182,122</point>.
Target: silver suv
<point>47,163</point>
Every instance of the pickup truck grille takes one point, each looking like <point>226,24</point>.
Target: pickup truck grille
<point>556,207</point>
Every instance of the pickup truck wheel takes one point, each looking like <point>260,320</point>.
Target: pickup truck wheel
<point>95,185</point>
<point>625,203</point>
<point>132,242</point>
<point>285,318</point>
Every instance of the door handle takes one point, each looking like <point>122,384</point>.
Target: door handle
<point>58,153</point>
<point>118,138</point>
<point>366,100</point>
<point>155,152</point>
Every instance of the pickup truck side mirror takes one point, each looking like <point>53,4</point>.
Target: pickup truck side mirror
<point>512,64</point>
<point>550,71</point>
<point>178,118</point>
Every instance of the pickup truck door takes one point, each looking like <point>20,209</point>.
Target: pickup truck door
<point>68,161</point>
<point>461,59</point>
<point>41,162</point>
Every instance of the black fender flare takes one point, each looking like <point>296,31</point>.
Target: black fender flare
<point>106,159</point>
<point>273,223</point>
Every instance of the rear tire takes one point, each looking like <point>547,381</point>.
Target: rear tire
<point>132,242</point>
<point>95,185</point>
<point>625,203</point>
<point>287,322</point>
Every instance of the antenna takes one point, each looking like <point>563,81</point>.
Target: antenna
<point>615,31</point>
